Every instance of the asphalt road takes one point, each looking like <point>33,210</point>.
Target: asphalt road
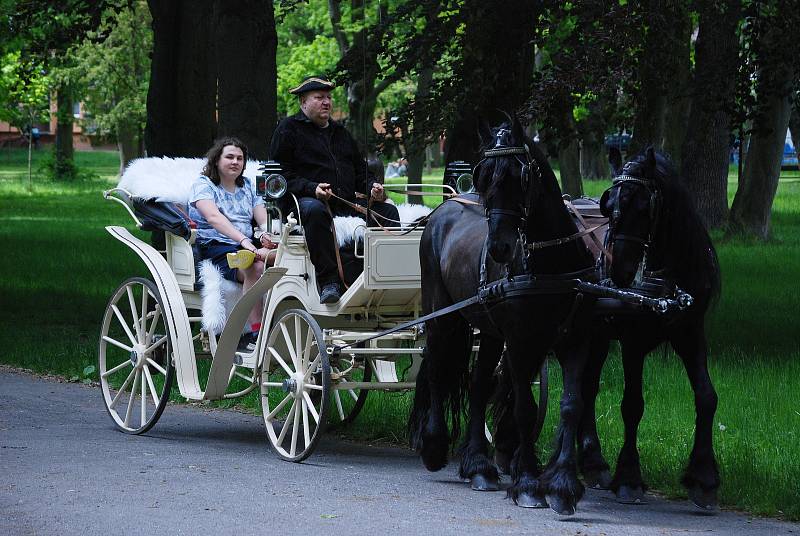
<point>64,469</point>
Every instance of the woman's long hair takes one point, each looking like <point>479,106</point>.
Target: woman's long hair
<point>215,153</point>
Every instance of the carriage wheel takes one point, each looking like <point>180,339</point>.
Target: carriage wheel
<point>347,403</point>
<point>135,356</point>
<point>295,385</point>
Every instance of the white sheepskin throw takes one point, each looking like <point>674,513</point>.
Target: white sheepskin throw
<point>168,179</point>
<point>219,296</point>
<point>349,228</point>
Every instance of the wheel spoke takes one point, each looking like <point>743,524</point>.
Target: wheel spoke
<point>280,360</point>
<point>353,395</point>
<point>154,323</point>
<point>124,324</point>
<point>156,344</point>
<point>288,339</point>
<point>314,387</point>
<point>288,422</point>
<point>306,434</point>
<point>244,377</point>
<point>279,406</point>
<point>295,429</point>
<point>297,342</point>
<point>121,366</point>
<point>144,403</point>
<point>311,408</point>
<point>338,399</point>
<point>151,385</point>
<point>145,300</point>
<point>307,349</point>
<point>311,368</point>
<point>117,343</point>
<point>122,389</point>
<point>135,388</point>
<point>135,313</point>
<point>156,366</point>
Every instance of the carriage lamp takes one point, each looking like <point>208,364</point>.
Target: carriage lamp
<point>458,175</point>
<point>270,182</point>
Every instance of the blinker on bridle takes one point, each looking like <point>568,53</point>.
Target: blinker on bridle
<point>499,151</point>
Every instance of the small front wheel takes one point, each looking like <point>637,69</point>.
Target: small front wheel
<point>135,356</point>
<point>295,385</point>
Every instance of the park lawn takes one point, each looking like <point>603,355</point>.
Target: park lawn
<point>61,266</point>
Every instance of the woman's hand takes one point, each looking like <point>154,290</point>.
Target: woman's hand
<point>247,244</point>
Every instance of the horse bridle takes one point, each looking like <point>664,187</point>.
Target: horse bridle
<point>527,167</point>
<point>654,217</point>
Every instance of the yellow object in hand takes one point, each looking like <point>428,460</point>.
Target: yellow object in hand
<point>241,259</point>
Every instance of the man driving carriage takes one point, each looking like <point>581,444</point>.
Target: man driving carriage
<point>324,170</point>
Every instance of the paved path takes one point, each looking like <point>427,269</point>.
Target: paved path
<point>64,469</point>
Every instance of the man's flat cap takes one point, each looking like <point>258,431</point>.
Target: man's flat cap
<point>312,83</point>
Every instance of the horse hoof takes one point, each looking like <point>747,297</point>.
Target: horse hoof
<point>629,495</point>
<point>597,479</point>
<point>704,500</point>
<point>481,482</point>
<point>526,500</point>
<point>561,506</point>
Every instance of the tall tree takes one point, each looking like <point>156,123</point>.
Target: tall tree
<point>705,154</point>
<point>774,51</point>
<point>245,44</point>
<point>43,31</point>
<point>181,100</point>
<point>114,68</point>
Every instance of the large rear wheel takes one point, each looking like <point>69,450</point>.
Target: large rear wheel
<point>295,385</point>
<point>135,356</point>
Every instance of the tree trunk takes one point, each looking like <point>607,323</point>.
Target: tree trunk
<point>706,150</point>
<point>64,168</point>
<point>129,145</point>
<point>569,164</point>
<point>654,73</point>
<point>498,62</point>
<point>416,149</point>
<point>245,44</point>
<point>752,205</point>
<point>676,117</point>
<point>181,100</point>
<point>594,160</point>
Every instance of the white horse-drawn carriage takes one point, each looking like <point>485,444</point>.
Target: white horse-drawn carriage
<point>308,365</point>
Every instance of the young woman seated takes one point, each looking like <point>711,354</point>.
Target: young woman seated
<point>224,203</point>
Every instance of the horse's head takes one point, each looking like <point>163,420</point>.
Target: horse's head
<point>503,178</point>
<point>632,205</point>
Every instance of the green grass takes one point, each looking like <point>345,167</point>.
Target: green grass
<point>61,266</point>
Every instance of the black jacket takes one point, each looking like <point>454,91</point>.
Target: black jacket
<point>310,155</point>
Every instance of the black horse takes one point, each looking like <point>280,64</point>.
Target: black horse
<point>522,200</point>
<point>657,241</point>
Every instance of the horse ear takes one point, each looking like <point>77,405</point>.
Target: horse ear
<point>615,159</point>
<point>650,159</point>
<point>484,133</point>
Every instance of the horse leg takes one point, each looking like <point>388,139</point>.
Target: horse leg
<point>475,463</point>
<point>701,477</point>
<point>592,464</point>
<point>559,480</point>
<point>438,389</point>
<point>524,490</point>
<point>506,438</point>
<point>627,483</point>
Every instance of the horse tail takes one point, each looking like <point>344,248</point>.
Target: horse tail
<point>444,375</point>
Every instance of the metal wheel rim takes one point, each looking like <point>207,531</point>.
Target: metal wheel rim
<point>137,384</point>
<point>295,385</point>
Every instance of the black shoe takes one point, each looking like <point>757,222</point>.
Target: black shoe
<point>247,342</point>
<point>330,293</point>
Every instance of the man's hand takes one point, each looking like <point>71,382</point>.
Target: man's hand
<point>377,193</point>
<point>323,191</point>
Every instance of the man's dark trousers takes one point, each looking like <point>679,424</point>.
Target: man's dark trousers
<point>317,228</point>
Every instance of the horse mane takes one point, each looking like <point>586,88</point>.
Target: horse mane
<point>688,251</point>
